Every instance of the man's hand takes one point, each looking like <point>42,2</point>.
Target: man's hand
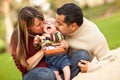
<point>64,44</point>
<point>83,64</point>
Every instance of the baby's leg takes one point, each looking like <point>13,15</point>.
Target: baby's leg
<point>58,77</point>
<point>66,71</point>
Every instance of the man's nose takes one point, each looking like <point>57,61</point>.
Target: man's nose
<point>56,26</point>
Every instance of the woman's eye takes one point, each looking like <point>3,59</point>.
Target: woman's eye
<point>38,25</point>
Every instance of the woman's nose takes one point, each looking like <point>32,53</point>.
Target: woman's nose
<point>43,26</point>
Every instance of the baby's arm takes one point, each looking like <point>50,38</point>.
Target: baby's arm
<point>57,37</point>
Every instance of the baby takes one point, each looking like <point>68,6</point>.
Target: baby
<point>56,56</point>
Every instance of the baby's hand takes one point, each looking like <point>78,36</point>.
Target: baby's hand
<point>47,35</point>
<point>37,42</point>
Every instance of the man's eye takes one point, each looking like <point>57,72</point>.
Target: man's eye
<point>59,24</point>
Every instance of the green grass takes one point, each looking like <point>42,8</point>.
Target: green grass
<point>111,28</point>
<point>8,70</point>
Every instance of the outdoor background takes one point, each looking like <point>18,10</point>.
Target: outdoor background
<point>105,13</point>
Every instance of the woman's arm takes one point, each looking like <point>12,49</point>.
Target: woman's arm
<point>35,59</point>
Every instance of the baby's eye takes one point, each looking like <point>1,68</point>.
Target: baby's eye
<point>44,22</point>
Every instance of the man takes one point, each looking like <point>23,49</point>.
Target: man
<point>83,34</point>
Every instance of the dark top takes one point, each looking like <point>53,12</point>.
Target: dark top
<point>31,52</point>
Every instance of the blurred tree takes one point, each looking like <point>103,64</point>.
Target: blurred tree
<point>115,7</point>
<point>8,22</point>
<point>57,3</point>
<point>9,10</point>
<point>117,3</point>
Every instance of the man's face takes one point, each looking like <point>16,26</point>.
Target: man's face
<point>62,26</point>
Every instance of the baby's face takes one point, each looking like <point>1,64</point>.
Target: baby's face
<point>49,25</point>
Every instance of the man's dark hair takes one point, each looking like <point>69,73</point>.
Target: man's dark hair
<point>72,12</point>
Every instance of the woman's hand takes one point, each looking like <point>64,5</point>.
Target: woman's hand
<point>83,64</point>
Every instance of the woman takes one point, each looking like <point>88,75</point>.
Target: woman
<point>29,61</point>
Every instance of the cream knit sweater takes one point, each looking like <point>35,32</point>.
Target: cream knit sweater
<point>88,37</point>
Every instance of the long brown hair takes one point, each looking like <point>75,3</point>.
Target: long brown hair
<point>25,19</point>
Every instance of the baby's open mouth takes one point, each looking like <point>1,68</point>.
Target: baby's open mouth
<point>48,28</point>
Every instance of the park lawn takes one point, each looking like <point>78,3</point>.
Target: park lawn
<point>8,70</point>
<point>110,27</point>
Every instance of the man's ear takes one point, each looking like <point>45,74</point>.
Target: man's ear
<point>74,26</point>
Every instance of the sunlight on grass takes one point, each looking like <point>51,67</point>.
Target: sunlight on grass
<point>8,70</point>
<point>111,28</point>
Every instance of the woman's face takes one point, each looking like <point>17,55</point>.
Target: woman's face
<point>37,27</point>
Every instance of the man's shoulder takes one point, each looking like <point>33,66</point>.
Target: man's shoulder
<point>89,23</point>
